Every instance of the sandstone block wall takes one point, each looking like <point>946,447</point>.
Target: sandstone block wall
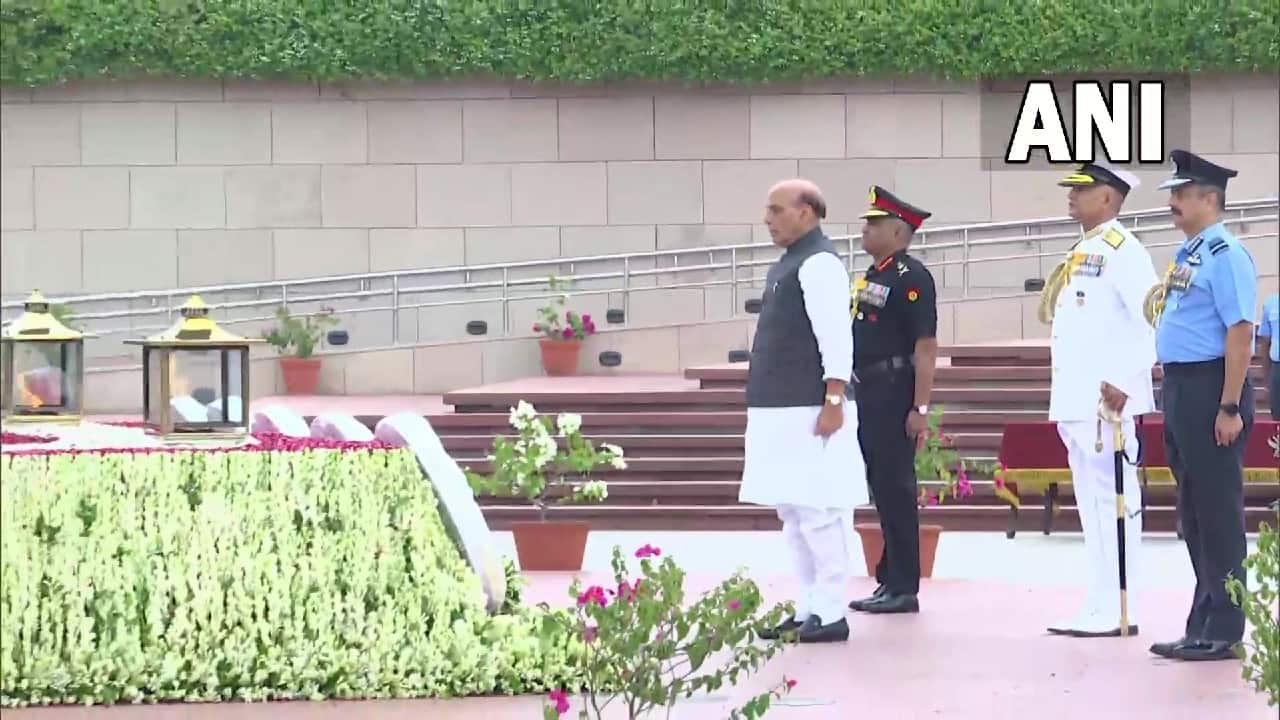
<point>151,185</point>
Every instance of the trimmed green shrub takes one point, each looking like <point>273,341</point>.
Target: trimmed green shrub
<point>50,40</point>
<point>202,576</point>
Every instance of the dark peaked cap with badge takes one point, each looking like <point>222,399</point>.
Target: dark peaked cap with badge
<point>1100,173</point>
<point>884,204</point>
<point>1195,169</point>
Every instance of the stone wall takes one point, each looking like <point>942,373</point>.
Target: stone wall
<point>149,185</point>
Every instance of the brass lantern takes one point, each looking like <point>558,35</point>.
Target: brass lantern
<point>42,364</point>
<point>195,379</point>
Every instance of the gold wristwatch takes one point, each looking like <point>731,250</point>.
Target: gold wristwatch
<point>834,399</point>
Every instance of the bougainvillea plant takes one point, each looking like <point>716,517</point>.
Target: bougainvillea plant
<point>560,324</point>
<point>543,471</point>
<point>646,648</point>
<point>938,461</point>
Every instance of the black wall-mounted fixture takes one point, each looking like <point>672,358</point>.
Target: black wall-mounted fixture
<point>737,356</point>
<point>477,327</point>
<point>615,316</point>
<point>338,337</point>
<point>610,358</point>
<point>1033,284</point>
<point>752,306</point>
<point>204,395</point>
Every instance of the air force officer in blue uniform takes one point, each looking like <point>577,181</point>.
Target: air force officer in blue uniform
<point>1204,340</point>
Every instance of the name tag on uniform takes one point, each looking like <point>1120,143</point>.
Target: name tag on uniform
<point>1180,278</point>
<point>874,294</point>
<point>1088,265</point>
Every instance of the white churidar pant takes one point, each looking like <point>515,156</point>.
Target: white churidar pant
<point>1093,479</point>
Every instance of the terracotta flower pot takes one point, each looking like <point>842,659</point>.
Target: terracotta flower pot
<point>301,375</point>
<point>873,546</point>
<point>550,544</point>
<point>560,357</point>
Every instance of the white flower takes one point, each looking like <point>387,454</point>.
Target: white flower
<point>569,423</point>
<point>522,414</point>
<point>596,490</point>
<point>543,451</point>
<point>615,456</point>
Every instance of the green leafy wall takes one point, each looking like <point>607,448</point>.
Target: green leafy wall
<point>46,41</point>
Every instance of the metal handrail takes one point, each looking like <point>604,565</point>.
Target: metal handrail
<point>286,292</point>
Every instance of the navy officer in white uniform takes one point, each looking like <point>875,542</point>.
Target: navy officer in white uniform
<point>1104,350</point>
<point>802,453</point>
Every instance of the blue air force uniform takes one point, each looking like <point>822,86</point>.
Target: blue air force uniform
<point>1269,328</point>
<point>1210,287</point>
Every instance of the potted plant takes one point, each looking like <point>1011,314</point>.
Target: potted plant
<point>938,461</point>
<point>563,332</point>
<point>296,340</point>
<point>547,469</point>
<point>648,648</point>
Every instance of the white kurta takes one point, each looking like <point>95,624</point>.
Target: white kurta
<point>1100,334</point>
<point>787,462</point>
<point>814,482</point>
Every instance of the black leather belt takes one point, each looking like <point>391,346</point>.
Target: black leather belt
<point>881,367</point>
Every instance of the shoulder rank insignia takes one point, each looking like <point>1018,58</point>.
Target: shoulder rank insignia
<point>1217,246</point>
<point>1114,238</point>
<point>902,269</point>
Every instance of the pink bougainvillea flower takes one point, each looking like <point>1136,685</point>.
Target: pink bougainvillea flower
<point>589,633</point>
<point>568,333</point>
<point>627,591</point>
<point>933,498</point>
<point>593,594</point>
<point>13,438</point>
<point>560,699</point>
<point>790,683</point>
<point>537,327</point>
<point>735,604</point>
<point>648,550</point>
<point>586,319</point>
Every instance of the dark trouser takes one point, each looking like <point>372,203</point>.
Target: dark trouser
<point>884,399</point>
<point>1210,492</point>
<point>1274,385</point>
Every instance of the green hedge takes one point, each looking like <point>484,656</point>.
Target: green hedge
<point>247,575</point>
<point>50,40</point>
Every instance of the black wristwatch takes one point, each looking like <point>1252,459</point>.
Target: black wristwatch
<point>1231,409</point>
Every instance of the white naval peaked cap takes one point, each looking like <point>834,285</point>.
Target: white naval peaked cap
<point>1125,176</point>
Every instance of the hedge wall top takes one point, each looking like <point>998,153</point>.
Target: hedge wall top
<point>45,42</point>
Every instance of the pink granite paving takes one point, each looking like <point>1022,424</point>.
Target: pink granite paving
<point>977,651</point>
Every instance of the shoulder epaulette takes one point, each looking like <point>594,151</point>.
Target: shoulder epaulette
<point>1218,246</point>
<point>1114,238</point>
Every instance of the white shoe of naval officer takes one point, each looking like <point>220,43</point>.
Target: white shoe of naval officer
<point>1093,621</point>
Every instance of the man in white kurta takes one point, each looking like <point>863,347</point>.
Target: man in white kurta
<point>1103,349</point>
<point>802,453</point>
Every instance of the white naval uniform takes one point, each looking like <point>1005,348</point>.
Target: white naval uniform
<point>1100,334</point>
<point>813,482</point>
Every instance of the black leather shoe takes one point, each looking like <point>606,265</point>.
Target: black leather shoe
<point>862,604</point>
<point>813,631</point>
<point>893,603</point>
<point>790,625</point>
<point>1166,649</point>
<point>1206,650</point>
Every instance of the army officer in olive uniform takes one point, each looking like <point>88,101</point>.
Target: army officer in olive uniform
<point>895,350</point>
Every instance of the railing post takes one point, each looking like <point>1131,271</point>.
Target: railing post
<point>964,263</point>
<point>395,309</point>
<point>733,281</point>
<point>506,314</point>
<point>626,287</point>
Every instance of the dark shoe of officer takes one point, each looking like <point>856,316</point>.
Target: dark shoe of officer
<point>892,602</point>
<point>1165,649</point>
<point>813,631</point>
<point>1202,650</point>
<point>790,625</point>
<point>861,604</point>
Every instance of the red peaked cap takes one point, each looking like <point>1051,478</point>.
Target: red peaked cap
<point>884,204</point>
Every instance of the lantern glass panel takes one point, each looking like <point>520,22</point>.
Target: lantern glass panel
<point>153,360</point>
<point>40,384</point>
